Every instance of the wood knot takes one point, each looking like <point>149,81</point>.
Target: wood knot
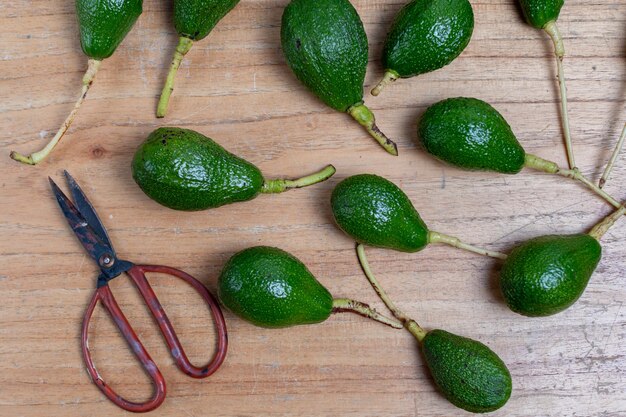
<point>98,151</point>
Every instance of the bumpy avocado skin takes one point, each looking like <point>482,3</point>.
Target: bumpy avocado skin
<point>374,211</point>
<point>103,24</point>
<point>325,45</point>
<point>547,274</point>
<point>470,134</point>
<point>427,35</point>
<point>185,170</point>
<point>195,19</point>
<point>468,373</point>
<point>539,12</point>
<point>271,288</point>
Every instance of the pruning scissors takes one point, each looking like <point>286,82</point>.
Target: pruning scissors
<point>89,229</point>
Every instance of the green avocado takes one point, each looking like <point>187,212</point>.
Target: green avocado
<point>468,373</point>
<point>103,24</point>
<point>374,211</point>
<point>427,35</point>
<point>547,274</point>
<point>185,170</point>
<point>325,45</point>
<point>470,134</point>
<point>539,13</point>
<point>194,19</point>
<point>271,288</point>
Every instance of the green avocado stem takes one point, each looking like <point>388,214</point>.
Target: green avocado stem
<point>609,165</point>
<point>544,165</point>
<point>365,118</point>
<point>605,224</point>
<point>341,305</point>
<point>559,51</point>
<point>408,323</point>
<point>33,159</point>
<point>184,45</point>
<point>279,185</point>
<point>389,77</point>
<point>436,237</point>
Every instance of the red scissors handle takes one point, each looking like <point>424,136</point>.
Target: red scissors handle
<point>105,296</point>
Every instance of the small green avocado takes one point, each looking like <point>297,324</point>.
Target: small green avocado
<point>271,288</point>
<point>185,170</point>
<point>425,35</point>
<point>374,211</point>
<point>547,274</point>
<point>468,373</point>
<point>325,45</point>
<point>470,134</point>
<point>539,13</point>
<point>103,24</point>
<point>193,20</point>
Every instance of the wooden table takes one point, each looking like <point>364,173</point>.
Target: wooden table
<point>235,87</point>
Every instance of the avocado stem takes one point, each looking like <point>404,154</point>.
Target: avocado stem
<point>279,185</point>
<point>544,165</point>
<point>603,226</point>
<point>389,77</point>
<point>184,45</point>
<point>609,165</point>
<point>341,305</point>
<point>559,51</point>
<point>365,118</point>
<point>408,323</point>
<point>436,237</point>
<point>36,157</point>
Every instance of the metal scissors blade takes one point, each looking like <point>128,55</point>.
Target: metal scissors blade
<point>98,249</point>
<point>87,211</point>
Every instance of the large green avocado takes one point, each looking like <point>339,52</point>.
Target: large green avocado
<point>471,134</point>
<point>185,170</point>
<point>547,274</point>
<point>374,211</point>
<point>468,373</point>
<point>325,45</point>
<point>539,13</point>
<point>427,35</point>
<point>194,19</point>
<point>271,288</point>
<point>103,24</point>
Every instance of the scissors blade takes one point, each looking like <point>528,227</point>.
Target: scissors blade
<point>87,211</point>
<point>85,234</point>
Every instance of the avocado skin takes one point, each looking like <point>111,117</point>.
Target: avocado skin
<point>470,134</point>
<point>271,288</point>
<point>325,45</point>
<point>539,12</point>
<point>185,170</point>
<point>195,19</point>
<point>427,35</point>
<point>547,274</point>
<point>374,211</point>
<point>103,24</point>
<point>468,373</point>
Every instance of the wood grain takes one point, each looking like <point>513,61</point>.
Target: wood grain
<point>235,87</point>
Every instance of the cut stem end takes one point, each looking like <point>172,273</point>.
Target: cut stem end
<point>341,305</point>
<point>184,45</point>
<point>365,118</point>
<point>389,77</point>
<point>436,237</point>
<point>279,185</point>
<point>36,157</point>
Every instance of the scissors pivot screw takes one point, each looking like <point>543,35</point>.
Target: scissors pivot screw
<point>106,261</point>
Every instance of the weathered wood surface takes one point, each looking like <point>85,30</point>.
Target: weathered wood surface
<point>235,87</point>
